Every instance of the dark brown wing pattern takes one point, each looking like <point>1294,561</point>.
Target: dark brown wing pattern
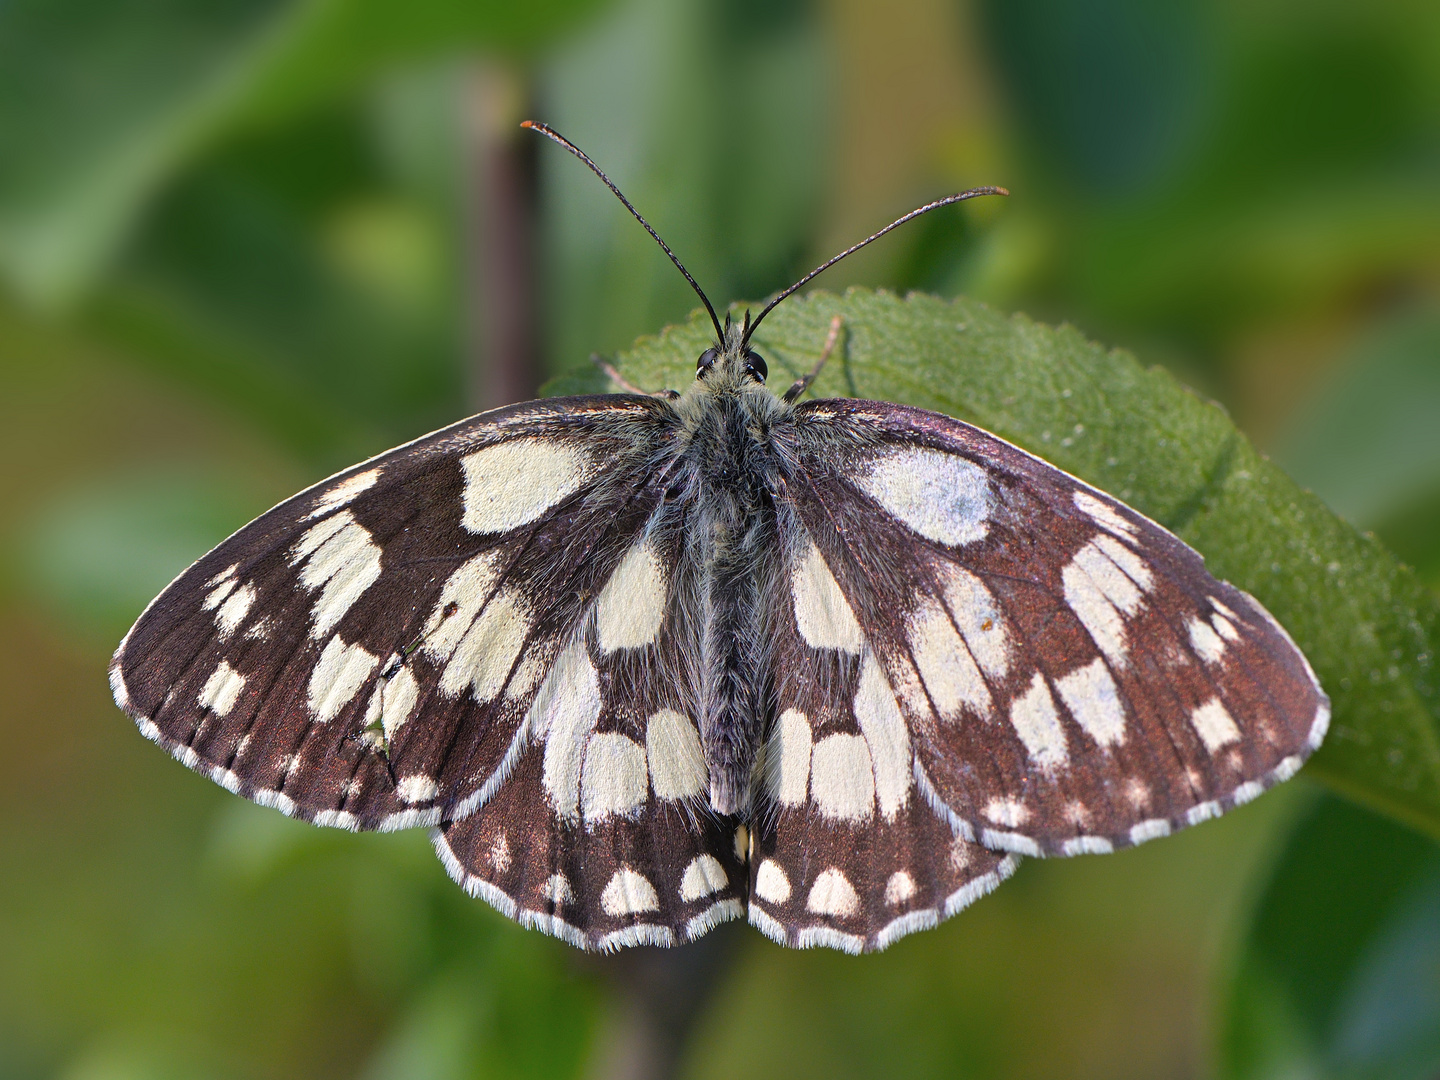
<point>602,834</point>
<point>1073,678</point>
<point>847,852</point>
<point>278,668</point>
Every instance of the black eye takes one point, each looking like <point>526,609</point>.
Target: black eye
<point>707,358</point>
<point>755,365</point>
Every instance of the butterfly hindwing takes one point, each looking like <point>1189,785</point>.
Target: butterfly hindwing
<point>363,654</point>
<point>601,833</point>
<point>1073,678</point>
<point>847,851</point>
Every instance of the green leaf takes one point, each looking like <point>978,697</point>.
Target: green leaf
<point>102,102</point>
<point>1367,625</point>
<point>1339,971</point>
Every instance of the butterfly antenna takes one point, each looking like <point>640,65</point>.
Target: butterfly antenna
<point>958,197</point>
<point>555,136</point>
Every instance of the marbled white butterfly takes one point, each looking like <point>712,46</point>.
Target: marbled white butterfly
<point>646,663</point>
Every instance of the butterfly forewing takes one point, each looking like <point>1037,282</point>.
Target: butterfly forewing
<point>364,654</point>
<point>1074,680</point>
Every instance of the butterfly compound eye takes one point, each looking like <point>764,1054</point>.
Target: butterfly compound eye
<point>755,365</point>
<point>706,361</point>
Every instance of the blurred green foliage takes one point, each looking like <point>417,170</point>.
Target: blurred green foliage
<point>231,247</point>
<point>1336,980</point>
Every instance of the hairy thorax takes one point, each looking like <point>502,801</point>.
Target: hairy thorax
<point>730,468</point>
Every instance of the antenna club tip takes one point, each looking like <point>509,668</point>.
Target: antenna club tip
<point>529,124</point>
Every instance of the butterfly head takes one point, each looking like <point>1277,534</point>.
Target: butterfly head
<point>731,361</point>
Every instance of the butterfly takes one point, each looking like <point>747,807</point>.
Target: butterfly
<point>645,663</point>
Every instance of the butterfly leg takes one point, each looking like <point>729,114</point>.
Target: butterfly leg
<point>624,383</point>
<point>800,385</point>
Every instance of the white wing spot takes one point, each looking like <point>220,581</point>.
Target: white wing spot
<point>822,613</point>
<point>885,734</point>
<point>961,853</point>
<point>1205,641</point>
<point>312,538</point>
<point>629,893</point>
<point>417,788</point>
<point>260,629</point>
<point>1008,811</point>
<point>565,710</point>
<point>233,611</point>
<point>499,853</point>
<point>788,759</point>
<point>900,888</point>
<point>528,673</point>
<point>342,560</point>
<point>222,689</point>
<point>345,492</point>
<point>392,702</point>
<point>1149,830</point>
<point>1203,812</point>
<point>337,677</point>
<point>1034,719</point>
<point>1097,591</point>
<point>771,884</point>
<point>1224,627</point>
<point>950,675</point>
<point>614,779</point>
<point>223,576</point>
<point>513,483</point>
<point>1133,566</point>
<point>631,607</point>
<point>1109,577</point>
<point>461,598</point>
<point>1090,695</point>
<point>941,496</point>
<point>703,877</point>
<point>842,779</point>
<point>487,653</point>
<point>557,890</point>
<point>223,585</point>
<point>1087,845</point>
<point>832,894</point>
<point>975,612</point>
<point>1247,792</point>
<point>1214,725</point>
<point>1136,792</point>
<point>677,763</point>
<point>1105,516</point>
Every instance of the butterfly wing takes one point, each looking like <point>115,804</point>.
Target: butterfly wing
<point>608,800</point>
<point>602,834</point>
<point>363,655</point>
<point>1074,680</point>
<point>847,852</point>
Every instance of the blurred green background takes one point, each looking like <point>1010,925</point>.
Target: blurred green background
<point>246,242</point>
